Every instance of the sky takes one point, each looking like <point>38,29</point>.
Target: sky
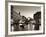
<point>27,11</point>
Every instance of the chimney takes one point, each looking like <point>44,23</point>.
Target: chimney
<point>19,13</point>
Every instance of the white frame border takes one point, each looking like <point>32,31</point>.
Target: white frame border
<point>23,32</point>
